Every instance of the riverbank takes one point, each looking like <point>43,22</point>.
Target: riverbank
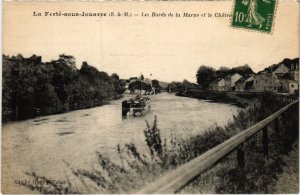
<point>240,99</point>
<point>81,106</point>
<point>222,97</point>
<point>89,105</point>
<point>137,168</point>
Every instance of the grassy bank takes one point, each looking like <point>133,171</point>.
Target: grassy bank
<point>135,170</point>
<point>288,181</point>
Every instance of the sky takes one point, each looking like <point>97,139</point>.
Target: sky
<point>169,48</point>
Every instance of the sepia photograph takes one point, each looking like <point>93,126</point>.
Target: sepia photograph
<point>150,97</point>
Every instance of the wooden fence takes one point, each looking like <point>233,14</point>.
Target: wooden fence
<point>176,179</point>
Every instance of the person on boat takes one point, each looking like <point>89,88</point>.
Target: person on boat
<point>138,97</point>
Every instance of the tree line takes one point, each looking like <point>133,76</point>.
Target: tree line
<point>182,87</point>
<point>147,87</point>
<point>31,87</point>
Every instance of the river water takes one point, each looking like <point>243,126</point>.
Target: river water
<point>46,144</point>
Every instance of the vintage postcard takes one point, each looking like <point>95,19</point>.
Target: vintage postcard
<point>150,97</point>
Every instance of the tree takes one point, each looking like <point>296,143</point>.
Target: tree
<point>6,88</point>
<point>156,86</point>
<point>155,83</point>
<point>31,87</point>
<point>45,97</point>
<point>222,72</point>
<point>205,75</point>
<point>118,86</point>
<point>67,60</point>
<point>114,76</point>
<point>63,76</point>
<point>242,70</point>
<point>139,85</point>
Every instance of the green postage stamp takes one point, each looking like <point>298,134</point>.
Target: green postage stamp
<point>254,14</point>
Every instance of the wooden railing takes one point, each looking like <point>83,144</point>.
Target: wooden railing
<point>176,179</point>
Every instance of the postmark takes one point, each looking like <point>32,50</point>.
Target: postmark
<point>257,15</point>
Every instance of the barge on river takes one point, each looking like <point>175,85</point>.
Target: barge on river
<point>136,107</point>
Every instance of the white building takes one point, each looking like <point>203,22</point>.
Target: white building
<point>234,79</point>
<point>293,86</point>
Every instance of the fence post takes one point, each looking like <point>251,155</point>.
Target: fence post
<point>277,129</point>
<point>284,131</point>
<point>240,152</point>
<point>278,133</point>
<point>241,156</point>
<point>265,141</point>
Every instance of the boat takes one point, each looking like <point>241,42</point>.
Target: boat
<point>136,107</point>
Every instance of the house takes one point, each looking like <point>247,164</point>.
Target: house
<point>282,69</point>
<point>281,86</point>
<point>281,83</point>
<point>287,75</point>
<point>221,85</point>
<point>240,84</point>
<point>228,82</point>
<point>295,75</point>
<point>288,68</point>
<point>279,78</point>
<point>213,86</point>
<point>225,84</point>
<point>264,82</point>
<point>249,83</point>
<point>233,79</point>
<point>244,83</point>
<point>294,72</point>
<point>293,86</point>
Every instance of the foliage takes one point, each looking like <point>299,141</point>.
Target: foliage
<point>242,70</point>
<point>153,138</point>
<point>205,75</point>
<point>139,85</point>
<point>32,87</point>
<point>182,87</point>
<point>155,83</point>
<point>222,72</point>
<point>156,86</point>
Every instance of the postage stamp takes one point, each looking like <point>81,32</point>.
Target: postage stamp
<point>254,14</point>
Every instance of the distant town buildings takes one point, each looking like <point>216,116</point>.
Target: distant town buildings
<point>281,78</point>
<point>137,85</point>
